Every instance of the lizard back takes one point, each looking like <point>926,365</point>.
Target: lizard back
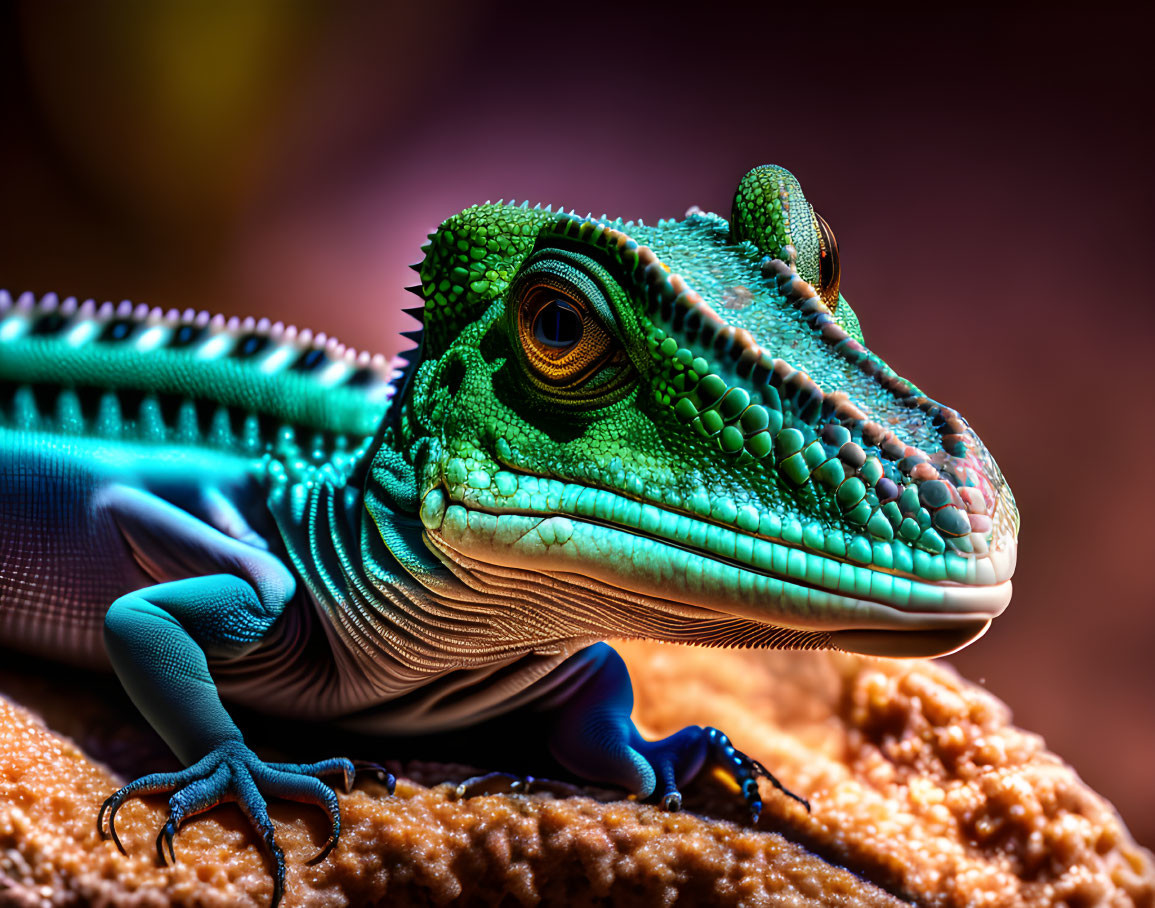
<point>177,370</point>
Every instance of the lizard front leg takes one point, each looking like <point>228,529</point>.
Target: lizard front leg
<point>593,736</point>
<point>159,640</point>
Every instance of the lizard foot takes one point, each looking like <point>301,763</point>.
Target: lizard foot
<point>684,754</point>
<point>593,736</point>
<point>745,770</point>
<point>232,772</point>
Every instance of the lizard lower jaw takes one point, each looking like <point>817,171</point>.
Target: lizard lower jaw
<point>910,644</point>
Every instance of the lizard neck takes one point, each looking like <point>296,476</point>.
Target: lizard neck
<point>398,623</point>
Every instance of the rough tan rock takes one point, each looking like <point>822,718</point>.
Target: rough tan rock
<point>922,792</point>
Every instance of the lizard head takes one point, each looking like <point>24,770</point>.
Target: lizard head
<point>677,431</point>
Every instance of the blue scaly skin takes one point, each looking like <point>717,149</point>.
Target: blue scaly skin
<point>605,430</point>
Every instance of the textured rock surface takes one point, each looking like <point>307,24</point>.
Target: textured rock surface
<point>922,792</point>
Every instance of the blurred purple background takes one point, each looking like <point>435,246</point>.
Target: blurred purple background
<point>987,172</point>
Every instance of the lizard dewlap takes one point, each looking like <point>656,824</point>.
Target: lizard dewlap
<point>605,430</point>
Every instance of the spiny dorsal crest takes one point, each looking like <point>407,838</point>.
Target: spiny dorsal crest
<point>252,365</point>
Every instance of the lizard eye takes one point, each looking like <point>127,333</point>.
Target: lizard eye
<point>563,341</point>
<point>560,319</point>
<point>828,267</point>
<point>558,324</point>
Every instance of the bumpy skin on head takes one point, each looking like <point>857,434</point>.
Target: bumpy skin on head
<point>724,441</point>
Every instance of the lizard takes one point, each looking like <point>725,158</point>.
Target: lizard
<point>603,430</point>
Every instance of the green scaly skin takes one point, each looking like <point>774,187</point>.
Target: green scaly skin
<point>605,430</point>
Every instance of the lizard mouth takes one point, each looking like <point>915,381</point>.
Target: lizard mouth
<point>862,609</point>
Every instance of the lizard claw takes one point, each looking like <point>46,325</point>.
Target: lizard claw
<point>492,783</point>
<point>165,837</point>
<point>770,777</point>
<point>111,804</point>
<point>381,772</point>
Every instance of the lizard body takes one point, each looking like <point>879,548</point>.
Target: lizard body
<point>604,430</point>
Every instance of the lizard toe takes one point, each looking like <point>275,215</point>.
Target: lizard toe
<point>347,769</point>
<point>745,771</point>
<point>306,789</point>
<point>155,783</point>
<point>252,804</point>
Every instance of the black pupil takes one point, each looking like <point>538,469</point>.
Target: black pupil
<point>558,324</point>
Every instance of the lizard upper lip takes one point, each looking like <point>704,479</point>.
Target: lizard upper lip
<point>825,594</point>
<point>992,563</point>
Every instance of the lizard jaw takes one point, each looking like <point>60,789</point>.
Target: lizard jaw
<point>924,644</point>
<point>863,610</point>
